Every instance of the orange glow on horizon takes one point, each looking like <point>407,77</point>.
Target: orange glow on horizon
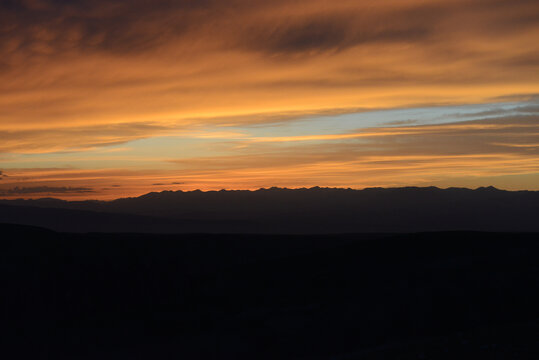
<point>141,94</point>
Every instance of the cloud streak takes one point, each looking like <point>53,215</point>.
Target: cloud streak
<point>189,84</point>
<point>45,190</point>
<point>503,151</point>
<point>81,64</point>
<point>383,156</point>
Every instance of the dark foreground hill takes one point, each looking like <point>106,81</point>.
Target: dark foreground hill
<point>307,211</point>
<point>448,295</point>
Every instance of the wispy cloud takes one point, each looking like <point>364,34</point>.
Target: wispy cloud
<point>29,141</point>
<point>383,156</point>
<point>45,190</point>
<point>167,184</point>
<point>206,91</point>
<point>74,67</point>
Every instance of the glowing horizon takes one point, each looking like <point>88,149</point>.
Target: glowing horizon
<point>102,100</point>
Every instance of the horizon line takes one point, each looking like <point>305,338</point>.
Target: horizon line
<point>273,188</point>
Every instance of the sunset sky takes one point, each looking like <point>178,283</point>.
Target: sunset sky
<point>101,99</point>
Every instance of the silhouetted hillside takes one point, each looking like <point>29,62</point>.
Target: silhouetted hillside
<point>92,221</point>
<point>452,295</point>
<point>315,210</point>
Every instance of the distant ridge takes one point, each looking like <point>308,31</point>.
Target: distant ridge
<point>304,210</point>
<point>54,202</point>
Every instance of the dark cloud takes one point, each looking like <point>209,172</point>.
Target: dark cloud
<point>123,27</point>
<point>171,183</point>
<point>529,108</point>
<point>47,28</point>
<point>338,31</point>
<point>46,190</point>
<point>318,34</point>
<point>402,122</point>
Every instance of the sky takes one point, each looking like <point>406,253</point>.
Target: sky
<point>101,99</point>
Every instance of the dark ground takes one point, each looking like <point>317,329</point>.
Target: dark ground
<point>446,295</point>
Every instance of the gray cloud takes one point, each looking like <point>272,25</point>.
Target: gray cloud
<point>341,30</point>
<point>170,183</point>
<point>51,27</point>
<point>529,108</point>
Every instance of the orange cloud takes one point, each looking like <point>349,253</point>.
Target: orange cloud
<point>501,151</point>
<point>85,74</point>
<point>178,64</point>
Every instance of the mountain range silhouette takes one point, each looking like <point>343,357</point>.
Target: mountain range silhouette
<point>317,274</point>
<point>280,210</point>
